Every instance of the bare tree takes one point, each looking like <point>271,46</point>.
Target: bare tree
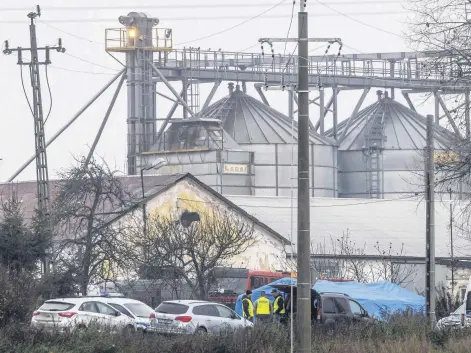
<point>88,243</point>
<point>342,258</point>
<point>193,248</point>
<point>389,270</point>
<point>444,27</point>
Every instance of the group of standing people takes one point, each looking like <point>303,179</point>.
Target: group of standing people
<point>263,310</point>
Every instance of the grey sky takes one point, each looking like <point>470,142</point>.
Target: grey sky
<point>71,89</point>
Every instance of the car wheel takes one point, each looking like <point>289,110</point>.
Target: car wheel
<point>201,331</point>
<point>81,329</point>
<point>128,330</point>
<point>330,330</point>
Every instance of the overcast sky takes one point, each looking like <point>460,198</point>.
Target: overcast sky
<point>85,67</point>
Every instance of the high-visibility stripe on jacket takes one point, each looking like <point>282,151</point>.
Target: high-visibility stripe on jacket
<point>263,306</point>
<point>247,300</point>
<point>276,306</point>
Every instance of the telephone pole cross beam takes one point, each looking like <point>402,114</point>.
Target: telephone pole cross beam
<point>37,112</point>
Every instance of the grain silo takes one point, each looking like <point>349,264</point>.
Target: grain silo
<point>201,147</point>
<point>258,128</point>
<point>381,155</point>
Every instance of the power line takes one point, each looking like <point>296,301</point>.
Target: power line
<point>187,6</point>
<point>50,94</point>
<point>235,26</point>
<point>71,34</point>
<point>24,90</point>
<point>235,17</point>
<point>290,24</point>
<point>407,198</point>
<point>358,21</point>
<point>91,62</point>
<point>82,72</point>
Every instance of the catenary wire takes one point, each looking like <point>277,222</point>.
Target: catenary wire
<point>235,26</point>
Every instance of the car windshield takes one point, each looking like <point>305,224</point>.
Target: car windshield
<point>56,306</point>
<point>139,309</point>
<point>172,308</point>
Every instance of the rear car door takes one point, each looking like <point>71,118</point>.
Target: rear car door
<point>228,318</point>
<point>90,314</point>
<point>328,310</point>
<point>207,316</point>
<point>344,314</point>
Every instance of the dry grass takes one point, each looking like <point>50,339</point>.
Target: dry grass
<point>401,336</point>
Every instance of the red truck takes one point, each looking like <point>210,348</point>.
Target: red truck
<point>229,283</point>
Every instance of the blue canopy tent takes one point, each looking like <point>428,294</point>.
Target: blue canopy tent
<point>377,298</point>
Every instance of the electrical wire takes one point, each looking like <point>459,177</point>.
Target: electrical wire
<point>235,26</point>
<point>24,90</point>
<point>358,21</point>
<point>71,34</point>
<point>82,72</point>
<point>251,47</point>
<point>290,24</point>
<point>186,6</point>
<point>50,94</point>
<point>235,17</point>
<point>406,198</point>
<point>91,62</point>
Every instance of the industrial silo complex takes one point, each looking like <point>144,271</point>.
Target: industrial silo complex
<point>272,137</point>
<point>381,151</point>
<point>241,146</point>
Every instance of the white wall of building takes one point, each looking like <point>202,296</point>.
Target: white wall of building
<point>265,254</point>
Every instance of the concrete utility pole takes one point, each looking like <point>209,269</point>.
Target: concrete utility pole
<point>37,111</point>
<point>303,312</point>
<point>430,222</point>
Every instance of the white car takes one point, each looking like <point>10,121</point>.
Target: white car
<point>454,320</point>
<point>69,314</point>
<point>193,316</point>
<point>140,312</point>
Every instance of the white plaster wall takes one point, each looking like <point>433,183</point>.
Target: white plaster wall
<point>265,254</point>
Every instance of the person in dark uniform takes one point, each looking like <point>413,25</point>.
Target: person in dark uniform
<point>247,306</point>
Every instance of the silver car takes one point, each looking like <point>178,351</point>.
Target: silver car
<point>193,316</point>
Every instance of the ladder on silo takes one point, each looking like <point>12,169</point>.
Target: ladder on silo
<point>193,88</point>
<point>373,150</point>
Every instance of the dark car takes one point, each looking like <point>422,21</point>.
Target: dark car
<point>332,310</point>
<point>337,309</point>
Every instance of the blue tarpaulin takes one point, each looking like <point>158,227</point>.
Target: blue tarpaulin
<point>376,298</point>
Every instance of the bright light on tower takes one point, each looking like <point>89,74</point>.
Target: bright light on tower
<point>132,33</point>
